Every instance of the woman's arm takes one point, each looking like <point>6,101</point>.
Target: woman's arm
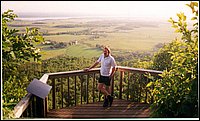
<point>94,65</point>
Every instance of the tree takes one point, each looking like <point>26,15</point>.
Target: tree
<point>176,94</point>
<point>16,49</point>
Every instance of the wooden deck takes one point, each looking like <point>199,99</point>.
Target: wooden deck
<point>119,109</point>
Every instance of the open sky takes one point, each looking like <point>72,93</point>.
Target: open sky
<point>155,9</point>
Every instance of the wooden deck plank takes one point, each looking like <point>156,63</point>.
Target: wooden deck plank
<point>119,109</point>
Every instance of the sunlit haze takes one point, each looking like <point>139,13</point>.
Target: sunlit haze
<point>132,9</point>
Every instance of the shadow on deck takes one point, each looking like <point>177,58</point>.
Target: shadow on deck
<point>119,109</point>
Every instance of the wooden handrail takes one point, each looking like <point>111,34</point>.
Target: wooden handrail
<point>72,73</point>
<point>138,70</point>
<point>23,104</point>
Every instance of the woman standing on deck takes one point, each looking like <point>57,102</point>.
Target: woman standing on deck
<point>107,70</point>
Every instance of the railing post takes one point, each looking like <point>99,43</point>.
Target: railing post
<point>40,109</point>
<point>33,103</point>
<point>120,84</point>
<point>112,86</point>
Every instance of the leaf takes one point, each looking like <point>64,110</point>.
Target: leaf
<point>13,55</point>
<point>174,26</point>
<point>184,17</point>
<point>194,18</point>
<point>149,84</point>
<point>177,31</point>
<point>195,4</point>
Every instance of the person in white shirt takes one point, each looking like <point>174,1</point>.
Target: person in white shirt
<point>107,70</point>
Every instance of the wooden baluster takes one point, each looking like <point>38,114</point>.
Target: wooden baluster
<point>140,88</point>
<point>46,106</point>
<point>120,85</point>
<point>87,82</point>
<point>81,89</point>
<point>40,109</point>
<point>62,97</point>
<point>54,93</point>
<point>152,96</point>
<point>99,93</point>
<point>68,91</point>
<point>112,86</point>
<point>75,90</point>
<point>24,115</point>
<point>146,89</point>
<point>128,86</point>
<point>93,86</point>
<point>30,110</point>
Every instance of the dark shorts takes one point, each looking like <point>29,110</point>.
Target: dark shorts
<point>105,79</point>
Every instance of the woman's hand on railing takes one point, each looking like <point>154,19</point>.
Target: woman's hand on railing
<point>86,69</point>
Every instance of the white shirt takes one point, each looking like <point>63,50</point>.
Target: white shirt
<point>106,64</point>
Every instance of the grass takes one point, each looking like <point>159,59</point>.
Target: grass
<point>47,54</point>
<point>74,50</point>
<point>136,40</point>
<point>66,38</point>
<point>83,50</point>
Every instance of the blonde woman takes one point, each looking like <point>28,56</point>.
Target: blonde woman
<point>107,70</point>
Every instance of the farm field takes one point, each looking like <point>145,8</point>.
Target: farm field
<point>124,35</point>
<point>74,50</point>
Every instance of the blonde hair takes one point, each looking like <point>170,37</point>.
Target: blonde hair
<point>107,48</point>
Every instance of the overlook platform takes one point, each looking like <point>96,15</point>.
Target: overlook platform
<point>74,95</point>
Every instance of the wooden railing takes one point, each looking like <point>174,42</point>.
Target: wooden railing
<point>73,88</point>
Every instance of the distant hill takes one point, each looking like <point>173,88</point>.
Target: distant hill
<point>25,15</point>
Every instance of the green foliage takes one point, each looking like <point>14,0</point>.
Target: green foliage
<point>161,59</point>
<point>18,47</point>
<point>176,93</point>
